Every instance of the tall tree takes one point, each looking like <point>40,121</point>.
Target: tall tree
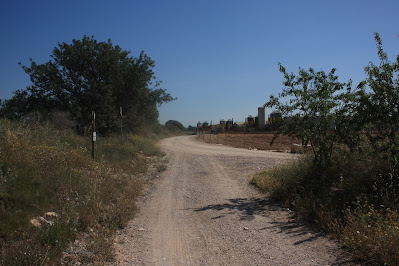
<point>89,75</point>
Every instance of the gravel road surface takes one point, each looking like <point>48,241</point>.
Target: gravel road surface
<point>202,211</point>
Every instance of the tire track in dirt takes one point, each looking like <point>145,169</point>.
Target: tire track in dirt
<point>202,211</point>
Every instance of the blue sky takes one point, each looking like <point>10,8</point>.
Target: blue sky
<point>219,58</point>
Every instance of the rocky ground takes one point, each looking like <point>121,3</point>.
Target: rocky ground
<point>202,211</point>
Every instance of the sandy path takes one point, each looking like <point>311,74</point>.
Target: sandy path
<point>201,211</point>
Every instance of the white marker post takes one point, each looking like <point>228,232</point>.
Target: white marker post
<point>94,135</point>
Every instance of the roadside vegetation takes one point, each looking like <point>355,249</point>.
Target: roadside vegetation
<point>52,192</point>
<point>349,182</point>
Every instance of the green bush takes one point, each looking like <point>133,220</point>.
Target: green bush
<point>330,197</point>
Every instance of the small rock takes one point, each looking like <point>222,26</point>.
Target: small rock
<point>51,214</point>
<point>44,220</point>
<point>246,228</point>
<point>35,222</point>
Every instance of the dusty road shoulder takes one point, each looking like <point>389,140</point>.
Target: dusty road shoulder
<point>202,211</point>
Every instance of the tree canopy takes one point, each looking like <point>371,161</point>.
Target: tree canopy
<point>378,97</point>
<point>312,103</point>
<point>322,111</point>
<point>86,76</point>
<point>174,125</point>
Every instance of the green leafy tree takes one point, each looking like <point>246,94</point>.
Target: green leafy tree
<point>15,107</point>
<point>378,97</point>
<point>90,75</point>
<point>315,109</point>
<point>174,125</point>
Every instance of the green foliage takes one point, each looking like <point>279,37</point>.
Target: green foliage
<point>174,126</point>
<point>331,199</point>
<point>378,98</point>
<point>351,190</point>
<point>90,75</point>
<point>315,109</point>
<point>16,107</point>
<point>43,170</point>
<point>295,182</point>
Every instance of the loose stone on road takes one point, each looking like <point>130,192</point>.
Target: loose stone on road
<point>202,211</point>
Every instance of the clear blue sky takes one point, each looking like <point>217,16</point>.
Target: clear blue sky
<point>218,57</point>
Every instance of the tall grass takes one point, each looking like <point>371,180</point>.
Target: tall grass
<point>45,170</point>
<point>354,199</point>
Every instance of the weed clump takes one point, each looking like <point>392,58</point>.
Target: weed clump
<point>354,199</point>
<point>372,233</point>
<point>43,170</point>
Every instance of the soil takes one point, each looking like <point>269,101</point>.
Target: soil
<point>202,211</point>
<point>254,140</point>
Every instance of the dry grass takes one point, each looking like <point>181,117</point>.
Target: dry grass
<point>43,170</point>
<point>265,181</point>
<point>330,198</point>
<point>373,234</point>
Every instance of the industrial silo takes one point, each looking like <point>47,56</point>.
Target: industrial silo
<point>275,117</point>
<point>229,123</point>
<point>250,121</point>
<point>223,124</point>
<point>261,117</point>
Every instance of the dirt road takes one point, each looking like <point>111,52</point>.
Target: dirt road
<point>202,211</point>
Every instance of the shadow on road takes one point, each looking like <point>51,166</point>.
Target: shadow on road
<point>285,223</point>
<point>246,208</point>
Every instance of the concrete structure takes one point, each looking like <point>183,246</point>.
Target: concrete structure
<point>240,125</point>
<point>229,123</point>
<point>250,121</point>
<point>223,124</point>
<point>261,117</point>
<point>274,118</point>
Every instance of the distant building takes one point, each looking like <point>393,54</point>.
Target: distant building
<point>274,118</point>
<point>261,117</point>
<point>240,125</point>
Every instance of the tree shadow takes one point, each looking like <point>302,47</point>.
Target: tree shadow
<point>286,223</point>
<point>295,229</point>
<point>246,208</point>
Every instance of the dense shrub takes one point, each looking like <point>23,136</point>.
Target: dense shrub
<point>355,199</point>
<point>351,188</point>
